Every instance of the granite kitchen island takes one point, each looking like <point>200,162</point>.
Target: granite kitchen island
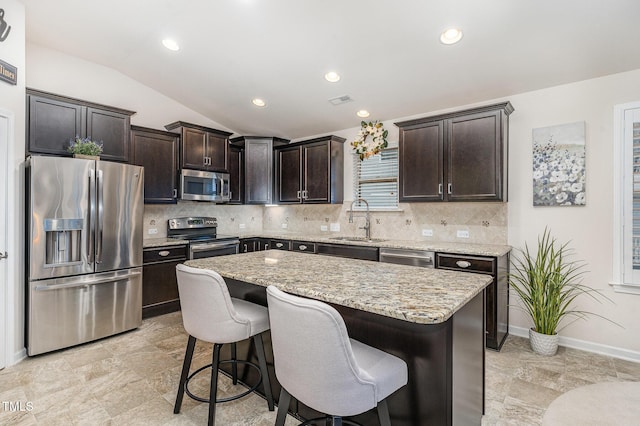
<point>433,319</point>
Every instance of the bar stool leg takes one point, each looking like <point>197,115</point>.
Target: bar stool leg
<point>186,365</point>
<point>283,406</point>
<point>383,413</point>
<point>337,421</point>
<point>234,365</point>
<point>215,363</point>
<point>262,361</point>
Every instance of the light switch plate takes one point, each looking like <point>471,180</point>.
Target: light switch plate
<point>462,234</point>
<point>152,231</point>
<point>427,232</point>
<point>334,227</point>
<point>284,226</point>
<point>324,227</point>
<point>242,226</point>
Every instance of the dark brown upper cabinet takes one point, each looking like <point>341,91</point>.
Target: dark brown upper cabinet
<point>202,148</point>
<point>461,156</point>
<point>157,152</point>
<point>258,167</point>
<point>310,171</point>
<point>53,121</point>
<point>236,175</point>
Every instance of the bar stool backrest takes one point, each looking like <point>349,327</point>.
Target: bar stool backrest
<point>207,311</point>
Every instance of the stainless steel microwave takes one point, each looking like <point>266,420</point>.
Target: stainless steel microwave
<point>204,186</point>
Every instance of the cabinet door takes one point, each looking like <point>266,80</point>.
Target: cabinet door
<point>194,144</point>
<point>236,175</point>
<point>159,289</point>
<point>315,173</point>
<point>259,171</point>
<point>420,163</point>
<point>112,129</point>
<point>288,185</point>
<point>217,153</point>
<point>158,154</point>
<point>53,124</point>
<point>247,245</point>
<point>475,157</point>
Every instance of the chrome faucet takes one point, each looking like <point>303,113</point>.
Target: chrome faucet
<point>367,225</point>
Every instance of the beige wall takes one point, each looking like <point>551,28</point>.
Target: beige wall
<point>589,228</point>
<point>12,99</point>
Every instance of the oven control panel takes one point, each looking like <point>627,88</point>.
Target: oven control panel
<point>192,222</point>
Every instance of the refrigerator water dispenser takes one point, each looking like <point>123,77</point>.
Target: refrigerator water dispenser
<point>63,239</point>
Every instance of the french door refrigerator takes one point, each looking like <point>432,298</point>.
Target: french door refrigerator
<point>84,247</point>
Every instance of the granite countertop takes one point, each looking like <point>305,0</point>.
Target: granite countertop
<point>161,242</point>
<point>418,295</point>
<point>496,250</point>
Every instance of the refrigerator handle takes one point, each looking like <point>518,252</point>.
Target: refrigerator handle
<point>99,199</point>
<point>91,220</point>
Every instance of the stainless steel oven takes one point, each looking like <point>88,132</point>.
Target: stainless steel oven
<point>204,241</point>
<point>200,249</point>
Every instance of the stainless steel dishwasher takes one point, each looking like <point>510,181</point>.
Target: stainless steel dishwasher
<point>422,258</point>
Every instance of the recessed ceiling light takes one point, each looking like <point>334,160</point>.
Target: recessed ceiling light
<point>258,102</point>
<point>170,44</point>
<point>451,36</point>
<point>332,76</point>
<point>363,113</point>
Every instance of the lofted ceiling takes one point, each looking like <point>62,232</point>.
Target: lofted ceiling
<point>387,51</point>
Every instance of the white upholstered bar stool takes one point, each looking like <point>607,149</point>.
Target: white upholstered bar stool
<point>210,314</point>
<point>318,364</point>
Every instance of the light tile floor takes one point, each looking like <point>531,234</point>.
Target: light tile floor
<point>131,379</point>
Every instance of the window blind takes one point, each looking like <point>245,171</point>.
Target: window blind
<point>636,196</point>
<point>376,180</point>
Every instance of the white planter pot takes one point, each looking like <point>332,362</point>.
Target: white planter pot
<point>543,344</point>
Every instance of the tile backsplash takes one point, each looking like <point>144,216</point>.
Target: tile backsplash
<point>484,223</point>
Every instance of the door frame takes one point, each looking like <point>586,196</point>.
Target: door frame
<point>7,139</point>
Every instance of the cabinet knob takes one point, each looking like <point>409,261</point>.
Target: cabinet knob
<point>279,245</point>
<point>164,253</point>
<point>302,247</point>
<point>463,263</point>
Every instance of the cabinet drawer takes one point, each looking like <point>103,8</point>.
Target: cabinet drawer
<point>279,244</point>
<point>163,254</point>
<point>303,246</point>
<point>466,263</point>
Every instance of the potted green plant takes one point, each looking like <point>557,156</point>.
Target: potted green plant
<point>548,283</point>
<point>85,148</point>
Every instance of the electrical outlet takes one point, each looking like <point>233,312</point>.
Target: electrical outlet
<point>427,232</point>
<point>324,228</point>
<point>152,231</point>
<point>284,226</point>
<point>462,234</point>
<point>242,226</point>
<point>334,227</point>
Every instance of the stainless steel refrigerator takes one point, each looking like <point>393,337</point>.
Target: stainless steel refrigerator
<point>84,271</point>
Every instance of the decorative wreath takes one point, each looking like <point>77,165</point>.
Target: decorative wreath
<point>372,138</point>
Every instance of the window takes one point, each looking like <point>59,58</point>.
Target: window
<point>376,180</point>
<point>627,198</point>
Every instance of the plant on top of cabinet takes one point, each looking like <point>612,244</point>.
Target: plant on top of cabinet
<point>54,120</point>
<point>310,171</point>
<point>460,156</point>
<point>202,148</point>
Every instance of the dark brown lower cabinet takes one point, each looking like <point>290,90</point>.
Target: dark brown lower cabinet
<point>497,293</point>
<point>159,283</point>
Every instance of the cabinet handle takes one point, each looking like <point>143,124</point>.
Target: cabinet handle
<point>246,249</point>
<point>449,189</point>
<point>305,194</point>
<point>266,246</point>
<point>463,263</point>
<point>279,245</point>
<point>164,253</point>
<point>439,189</point>
<point>298,195</point>
<point>302,247</point>
<point>175,193</point>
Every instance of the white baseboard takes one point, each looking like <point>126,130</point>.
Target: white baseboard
<point>584,345</point>
<point>17,357</point>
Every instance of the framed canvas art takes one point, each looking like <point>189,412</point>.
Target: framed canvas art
<point>559,165</point>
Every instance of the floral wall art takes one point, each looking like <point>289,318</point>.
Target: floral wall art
<point>559,165</point>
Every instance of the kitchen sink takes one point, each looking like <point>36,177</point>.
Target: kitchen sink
<point>361,239</point>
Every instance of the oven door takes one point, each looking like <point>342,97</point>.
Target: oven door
<point>213,248</point>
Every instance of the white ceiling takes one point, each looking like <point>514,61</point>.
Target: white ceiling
<point>387,51</point>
